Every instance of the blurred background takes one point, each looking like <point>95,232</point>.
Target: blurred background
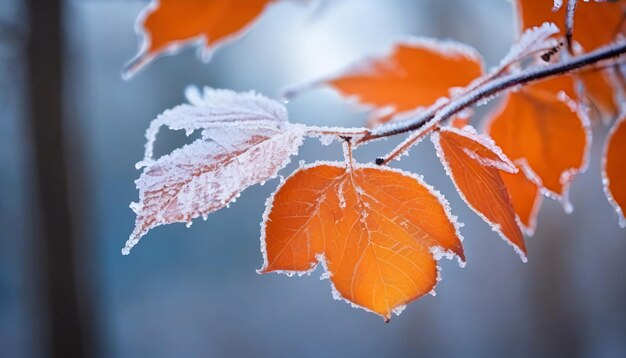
<point>194,292</point>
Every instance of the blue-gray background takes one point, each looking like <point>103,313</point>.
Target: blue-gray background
<point>194,292</point>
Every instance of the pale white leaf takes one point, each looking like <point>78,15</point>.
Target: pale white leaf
<point>215,109</point>
<point>246,140</point>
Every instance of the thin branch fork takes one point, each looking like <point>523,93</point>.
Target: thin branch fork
<point>493,88</point>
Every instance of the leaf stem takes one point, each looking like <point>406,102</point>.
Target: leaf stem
<point>336,131</point>
<point>411,140</point>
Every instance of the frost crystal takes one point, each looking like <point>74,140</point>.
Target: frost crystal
<point>326,139</point>
<point>398,310</point>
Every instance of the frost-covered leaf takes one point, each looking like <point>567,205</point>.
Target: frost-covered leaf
<point>240,148</point>
<point>614,173</point>
<point>215,110</point>
<point>595,24</point>
<point>543,129</point>
<point>167,25</point>
<point>474,163</point>
<point>415,73</point>
<point>378,232</point>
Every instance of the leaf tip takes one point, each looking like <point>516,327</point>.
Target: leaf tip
<point>521,251</point>
<point>130,243</point>
<point>134,66</point>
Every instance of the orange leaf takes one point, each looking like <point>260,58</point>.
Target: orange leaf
<point>525,196</point>
<point>595,24</point>
<point>376,230</point>
<point>614,173</point>
<point>167,25</point>
<point>541,128</point>
<point>415,74</point>
<point>474,164</point>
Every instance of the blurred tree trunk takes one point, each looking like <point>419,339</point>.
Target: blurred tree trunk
<point>65,322</point>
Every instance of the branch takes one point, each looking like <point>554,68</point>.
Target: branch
<point>494,88</point>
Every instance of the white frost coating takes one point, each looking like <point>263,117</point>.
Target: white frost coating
<point>504,163</point>
<point>327,139</point>
<point>439,253</point>
<point>605,178</point>
<point>569,102</point>
<point>433,292</point>
<point>557,5</point>
<point>205,176</point>
<point>213,111</point>
<point>436,139</point>
<point>321,259</point>
<point>398,310</point>
<point>533,40</point>
<point>614,76</point>
<point>226,105</point>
